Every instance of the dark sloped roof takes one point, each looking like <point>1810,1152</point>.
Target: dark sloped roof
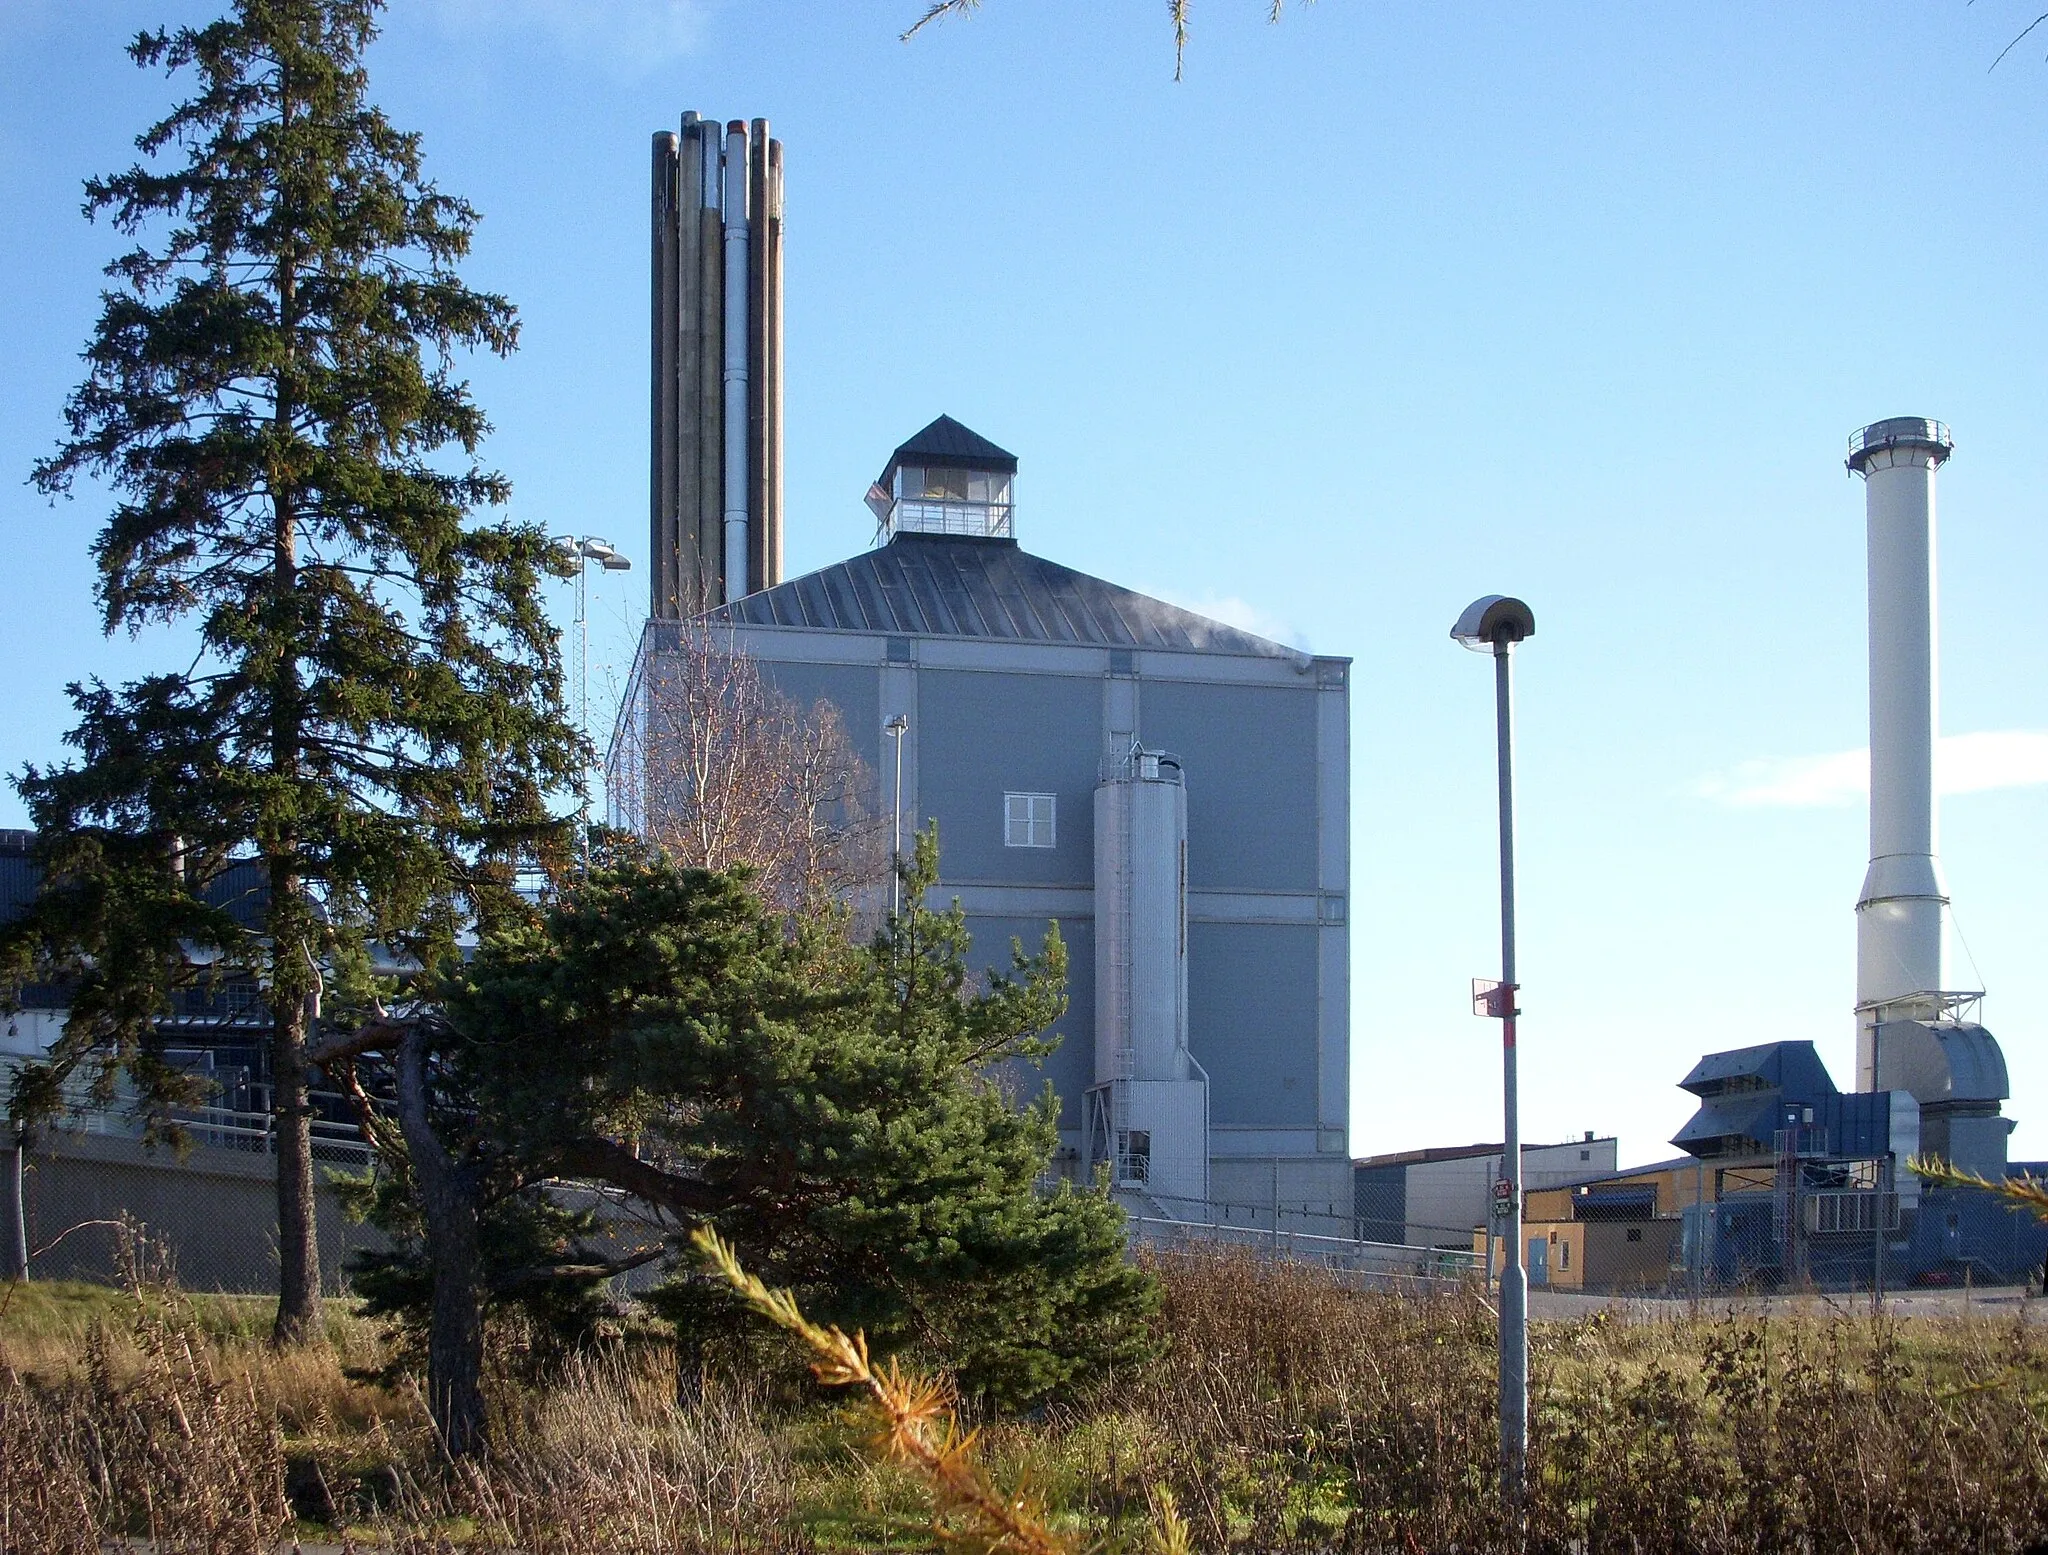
<point>947,442</point>
<point>925,585</point>
<point>1794,1066</point>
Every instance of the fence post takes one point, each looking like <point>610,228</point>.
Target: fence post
<point>17,1208</point>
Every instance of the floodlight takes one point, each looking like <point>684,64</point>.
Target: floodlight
<point>1492,619</point>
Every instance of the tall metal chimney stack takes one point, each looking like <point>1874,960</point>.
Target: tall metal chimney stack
<point>1899,915</point>
<point>716,450</point>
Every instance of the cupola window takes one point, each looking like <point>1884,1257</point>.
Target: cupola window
<point>946,480</point>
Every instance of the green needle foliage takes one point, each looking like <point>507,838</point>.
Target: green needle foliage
<point>835,1111</point>
<point>374,710</point>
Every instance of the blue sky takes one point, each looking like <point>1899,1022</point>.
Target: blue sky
<point>1379,309</point>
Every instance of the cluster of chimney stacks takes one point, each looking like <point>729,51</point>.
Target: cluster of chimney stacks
<point>717,359</point>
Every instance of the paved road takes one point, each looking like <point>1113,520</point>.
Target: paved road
<point>1998,1301</point>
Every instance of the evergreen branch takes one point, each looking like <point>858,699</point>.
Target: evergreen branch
<point>919,1426</point>
<point>2030,1193</point>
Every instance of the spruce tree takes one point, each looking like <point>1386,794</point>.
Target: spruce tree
<point>374,714</point>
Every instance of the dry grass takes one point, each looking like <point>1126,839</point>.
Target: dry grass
<point>1288,1415</point>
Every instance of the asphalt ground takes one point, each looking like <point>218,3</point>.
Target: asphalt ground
<point>2024,1301</point>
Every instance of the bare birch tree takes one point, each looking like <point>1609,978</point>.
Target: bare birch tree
<point>717,768</point>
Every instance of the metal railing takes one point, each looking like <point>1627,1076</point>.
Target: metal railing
<point>223,1128</point>
<point>1913,431</point>
<point>934,516</point>
<point>228,1129</point>
<point>1373,1264</point>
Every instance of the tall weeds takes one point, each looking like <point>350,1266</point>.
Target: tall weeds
<point>176,1452</point>
<point>1292,1413</point>
<point>1288,1414</point>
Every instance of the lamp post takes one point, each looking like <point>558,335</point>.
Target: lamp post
<point>583,550</point>
<point>1494,624</point>
<point>897,726</point>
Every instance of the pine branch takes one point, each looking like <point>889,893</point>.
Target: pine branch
<point>2030,1193</point>
<point>920,1428</point>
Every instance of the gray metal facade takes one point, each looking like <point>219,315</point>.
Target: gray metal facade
<point>1018,675</point>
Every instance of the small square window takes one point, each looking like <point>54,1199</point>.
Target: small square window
<point>1585,1155</point>
<point>1635,1233</point>
<point>1028,820</point>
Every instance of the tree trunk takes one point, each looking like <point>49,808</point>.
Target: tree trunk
<point>298,1249</point>
<point>455,1329</point>
<point>449,1203</point>
<point>289,918</point>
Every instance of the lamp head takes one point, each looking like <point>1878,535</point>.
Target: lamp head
<point>897,724</point>
<point>1494,619</point>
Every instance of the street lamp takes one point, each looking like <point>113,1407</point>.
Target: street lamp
<point>583,550</point>
<point>1494,625</point>
<point>897,726</point>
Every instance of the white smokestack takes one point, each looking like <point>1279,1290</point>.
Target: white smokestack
<point>1899,915</point>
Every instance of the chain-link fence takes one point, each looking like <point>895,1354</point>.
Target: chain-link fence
<point>90,1191</point>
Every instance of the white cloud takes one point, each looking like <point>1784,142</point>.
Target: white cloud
<point>632,34</point>
<point>1963,764</point>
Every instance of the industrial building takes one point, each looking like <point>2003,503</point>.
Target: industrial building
<point>1435,1197</point>
<point>1786,1179</point>
<point>1172,791</point>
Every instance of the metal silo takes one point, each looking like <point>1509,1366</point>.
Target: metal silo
<point>1149,1109</point>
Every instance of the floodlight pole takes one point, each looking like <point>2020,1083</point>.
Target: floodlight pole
<point>1496,623</point>
<point>1514,1276</point>
<point>585,549</point>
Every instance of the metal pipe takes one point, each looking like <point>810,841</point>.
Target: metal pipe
<point>757,356</point>
<point>710,394</point>
<point>771,364</point>
<point>1514,1278</point>
<point>662,418</point>
<point>687,590</point>
<point>897,727</point>
<point>737,582</point>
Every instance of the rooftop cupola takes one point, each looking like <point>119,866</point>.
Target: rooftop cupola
<point>946,480</point>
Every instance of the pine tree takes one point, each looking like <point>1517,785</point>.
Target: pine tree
<point>836,1110</point>
<point>839,1112</point>
<point>374,713</point>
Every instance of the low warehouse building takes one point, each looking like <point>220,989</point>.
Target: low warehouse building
<point>1434,1197</point>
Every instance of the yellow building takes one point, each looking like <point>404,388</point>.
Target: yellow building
<point>1620,1231</point>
